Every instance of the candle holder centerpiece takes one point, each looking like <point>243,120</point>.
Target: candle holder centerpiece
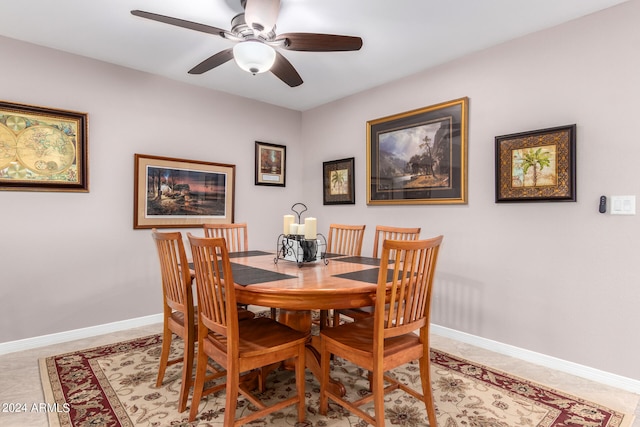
<point>300,242</point>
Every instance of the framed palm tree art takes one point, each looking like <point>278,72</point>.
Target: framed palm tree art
<point>339,182</point>
<point>537,166</point>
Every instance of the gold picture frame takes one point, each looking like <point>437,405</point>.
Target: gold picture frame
<point>170,193</point>
<point>419,156</point>
<point>43,149</point>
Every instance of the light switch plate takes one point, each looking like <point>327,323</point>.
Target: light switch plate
<point>623,205</point>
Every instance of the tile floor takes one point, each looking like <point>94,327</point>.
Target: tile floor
<point>20,376</point>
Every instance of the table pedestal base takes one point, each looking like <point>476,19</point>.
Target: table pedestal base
<point>300,320</point>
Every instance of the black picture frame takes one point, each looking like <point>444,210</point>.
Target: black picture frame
<point>271,164</point>
<point>338,182</point>
<point>43,149</point>
<point>537,166</point>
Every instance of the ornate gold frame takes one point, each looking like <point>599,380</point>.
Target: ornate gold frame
<point>419,156</point>
<point>537,166</point>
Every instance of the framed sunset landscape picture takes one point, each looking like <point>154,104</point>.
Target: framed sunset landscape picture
<point>171,192</point>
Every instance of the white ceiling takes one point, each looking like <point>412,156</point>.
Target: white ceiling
<point>401,37</point>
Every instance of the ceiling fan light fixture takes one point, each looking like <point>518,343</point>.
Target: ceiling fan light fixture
<point>254,56</point>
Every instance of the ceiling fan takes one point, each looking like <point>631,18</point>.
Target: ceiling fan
<point>257,44</point>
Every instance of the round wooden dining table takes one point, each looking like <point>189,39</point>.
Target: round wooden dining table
<point>263,279</point>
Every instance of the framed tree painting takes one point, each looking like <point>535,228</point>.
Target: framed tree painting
<point>338,182</point>
<point>537,166</point>
<point>271,164</point>
<point>419,156</point>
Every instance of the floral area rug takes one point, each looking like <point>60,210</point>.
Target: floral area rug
<point>114,385</point>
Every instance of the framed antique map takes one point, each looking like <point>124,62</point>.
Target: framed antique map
<point>42,149</point>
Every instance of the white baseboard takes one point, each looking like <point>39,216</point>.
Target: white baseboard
<point>497,347</point>
<point>91,331</point>
<point>551,362</point>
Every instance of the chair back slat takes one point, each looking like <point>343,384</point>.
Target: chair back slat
<point>235,234</point>
<point>384,232</point>
<point>345,239</point>
<point>176,280</point>
<point>408,294</point>
<point>217,308</point>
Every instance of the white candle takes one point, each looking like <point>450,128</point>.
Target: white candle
<point>310,228</point>
<point>293,229</point>
<point>288,220</point>
<point>301,229</point>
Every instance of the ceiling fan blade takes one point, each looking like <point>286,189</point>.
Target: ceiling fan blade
<point>312,42</point>
<point>181,23</point>
<point>212,62</point>
<point>283,70</point>
<point>261,15</point>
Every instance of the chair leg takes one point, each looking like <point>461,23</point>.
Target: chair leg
<point>233,384</point>
<point>336,318</point>
<point>164,355</point>
<point>377,384</point>
<point>325,357</point>
<point>300,383</point>
<point>324,315</point>
<point>427,392</point>
<point>201,372</point>
<point>187,372</point>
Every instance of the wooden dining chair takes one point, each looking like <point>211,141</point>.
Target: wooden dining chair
<point>238,347</point>
<point>342,239</point>
<point>178,309</point>
<point>237,237</point>
<point>383,232</point>
<point>235,234</point>
<point>345,239</point>
<point>387,340</point>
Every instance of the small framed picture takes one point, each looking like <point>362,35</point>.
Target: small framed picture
<point>271,165</point>
<point>339,182</point>
<point>537,166</point>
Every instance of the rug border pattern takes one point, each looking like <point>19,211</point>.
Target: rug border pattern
<point>54,390</point>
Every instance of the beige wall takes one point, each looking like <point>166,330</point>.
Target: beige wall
<point>73,260</point>
<point>556,278</point>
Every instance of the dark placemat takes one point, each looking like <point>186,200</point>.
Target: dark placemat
<point>247,254</point>
<point>330,255</point>
<point>360,260</point>
<point>368,276</point>
<point>245,275</point>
